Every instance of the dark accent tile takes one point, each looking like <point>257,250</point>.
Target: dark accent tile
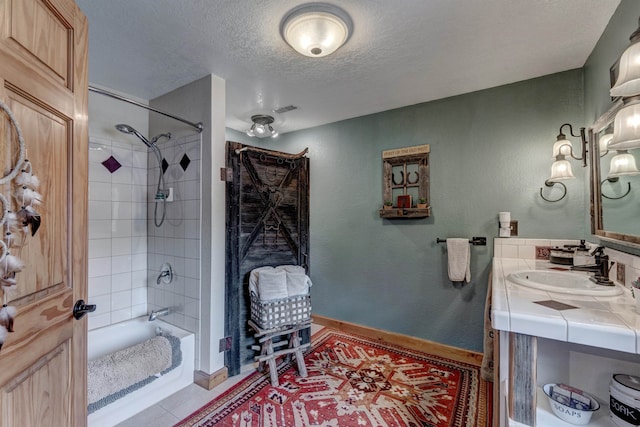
<point>556,305</point>
<point>184,162</point>
<point>111,164</point>
<point>543,252</point>
<point>165,166</point>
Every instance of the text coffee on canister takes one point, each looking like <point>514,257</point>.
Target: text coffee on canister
<point>624,400</point>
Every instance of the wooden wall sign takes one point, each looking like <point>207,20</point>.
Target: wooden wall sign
<point>405,182</point>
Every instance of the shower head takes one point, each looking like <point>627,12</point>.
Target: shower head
<point>162,135</point>
<point>125,128</point>
<point>129,130</point>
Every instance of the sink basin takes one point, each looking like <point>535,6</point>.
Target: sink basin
<point>563,282</point>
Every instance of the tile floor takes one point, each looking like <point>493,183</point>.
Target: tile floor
<point>179,405</point>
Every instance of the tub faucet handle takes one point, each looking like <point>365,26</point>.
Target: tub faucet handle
<point>166,274</point>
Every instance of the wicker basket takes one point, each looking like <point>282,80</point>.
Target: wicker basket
<point>281,312</point>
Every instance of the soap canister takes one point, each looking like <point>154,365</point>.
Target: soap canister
<point>624,400</point>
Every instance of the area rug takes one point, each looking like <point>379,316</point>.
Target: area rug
<point>354,381</point>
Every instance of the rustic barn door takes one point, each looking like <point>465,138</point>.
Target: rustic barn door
<point>43,82</point>
<point>267,225</point>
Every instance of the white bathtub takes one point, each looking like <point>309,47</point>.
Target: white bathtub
<point>125,334</point>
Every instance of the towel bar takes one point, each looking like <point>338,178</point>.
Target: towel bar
<point>475,241</point>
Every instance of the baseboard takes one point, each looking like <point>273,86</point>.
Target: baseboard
<point>419,344</point>
<point>209,381</point>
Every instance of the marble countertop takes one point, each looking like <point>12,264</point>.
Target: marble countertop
<point>605,322</point>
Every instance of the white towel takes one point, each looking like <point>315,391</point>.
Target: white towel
<point>272,284</point>
<point>459,257</point>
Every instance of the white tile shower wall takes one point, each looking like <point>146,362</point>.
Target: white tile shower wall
<point>117,232</point>
<point>177,241</point>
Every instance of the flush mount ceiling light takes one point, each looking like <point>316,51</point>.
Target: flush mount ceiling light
<point>261,126</point>
<point>316,29</point>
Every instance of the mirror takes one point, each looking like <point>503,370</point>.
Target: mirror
<point>615,200</point>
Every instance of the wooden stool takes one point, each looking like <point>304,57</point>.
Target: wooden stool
<point>268,348</point>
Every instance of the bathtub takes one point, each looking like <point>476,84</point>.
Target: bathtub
<point>125,334</point>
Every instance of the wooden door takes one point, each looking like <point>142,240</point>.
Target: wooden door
<point>43,81</point>
<point>267,225</point>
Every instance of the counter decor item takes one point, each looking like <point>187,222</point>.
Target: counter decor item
<point>570,404</point>
<point>624,400</point>
<point>504,219</point>
<point>404,202</point>
<point>562,256</point>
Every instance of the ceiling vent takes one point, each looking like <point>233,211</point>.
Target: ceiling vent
<point>285,109</point>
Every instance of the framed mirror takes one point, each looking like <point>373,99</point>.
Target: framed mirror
<point>615,198</point>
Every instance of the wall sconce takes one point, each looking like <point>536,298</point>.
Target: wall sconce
<point>564,147</point>
<point>626,125</point>
<point>622,164</point>
<point>604,141</point>
<point>626,135</point>
<point>261,126</point>
<point>561,168</point>
<point>628,81</point>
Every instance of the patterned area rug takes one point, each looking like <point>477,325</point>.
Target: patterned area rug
<point>354,381</point>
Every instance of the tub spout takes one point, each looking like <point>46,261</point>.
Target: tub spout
<point>157,313</point>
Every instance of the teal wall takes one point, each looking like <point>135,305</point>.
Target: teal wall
<point>490,152</point>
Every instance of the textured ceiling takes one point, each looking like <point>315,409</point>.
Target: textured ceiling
<point>402,52</point>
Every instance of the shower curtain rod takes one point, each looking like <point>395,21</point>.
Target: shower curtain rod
<point>198,126</point>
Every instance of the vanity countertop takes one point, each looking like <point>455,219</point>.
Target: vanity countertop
<point>605,322</point>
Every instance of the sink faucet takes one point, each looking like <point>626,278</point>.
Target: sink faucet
<point>600,268</point>
<point>157,313</point>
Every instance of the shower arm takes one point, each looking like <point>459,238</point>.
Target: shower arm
<point>198,126</point>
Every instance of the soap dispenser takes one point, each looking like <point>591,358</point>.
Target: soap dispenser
<point>582,256</point>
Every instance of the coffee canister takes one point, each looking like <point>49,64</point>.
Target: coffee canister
<point>624,400</point>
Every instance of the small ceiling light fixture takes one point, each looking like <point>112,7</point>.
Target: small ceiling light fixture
<point>261,126</point>
<point>316,29</point>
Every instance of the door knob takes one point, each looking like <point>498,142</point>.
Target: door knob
<point>80,309</point>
